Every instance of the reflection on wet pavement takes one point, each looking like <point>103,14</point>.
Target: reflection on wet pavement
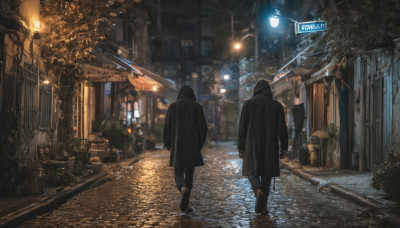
<point>145,196</point>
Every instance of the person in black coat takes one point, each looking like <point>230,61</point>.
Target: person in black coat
<point>185,131</point>
<point>261,127</point>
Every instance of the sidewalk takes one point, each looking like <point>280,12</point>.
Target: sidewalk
<point>350,184</point>
<point>15,210</point>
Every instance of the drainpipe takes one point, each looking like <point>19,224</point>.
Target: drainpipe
<point>361,161</point>
<point>334,102</point>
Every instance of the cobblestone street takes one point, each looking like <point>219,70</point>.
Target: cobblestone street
<point>145,195</point>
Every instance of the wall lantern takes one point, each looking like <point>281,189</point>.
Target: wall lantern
<point>36,30</point>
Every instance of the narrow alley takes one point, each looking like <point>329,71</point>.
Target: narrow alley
<point>144,195</point>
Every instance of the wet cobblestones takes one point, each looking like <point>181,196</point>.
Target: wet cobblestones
<point>144,195</point>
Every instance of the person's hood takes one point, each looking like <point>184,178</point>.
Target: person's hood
<point>186,92</point>
<point>263,87</point>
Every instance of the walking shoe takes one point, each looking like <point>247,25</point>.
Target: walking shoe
<point>265,210</point>
<point>188,210</point>
<point>260,199</point>
<point>185,194</point>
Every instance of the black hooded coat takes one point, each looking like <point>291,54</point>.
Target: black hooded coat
<point>185,130</point>
<point>261,127</point>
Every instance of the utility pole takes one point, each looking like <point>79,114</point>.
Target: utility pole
<point>159,30</point>
<point>232,26</point>
<point>256,36</point>
<point>232,31</point>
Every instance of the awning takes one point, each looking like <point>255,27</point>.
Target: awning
<point>287,79</point>
<point>161,80</point>
<point>144,75</point>
<point>101,74</point>
<point>112,68</point>
<point>280,76</point>
<point>284,85</point>
<point>143,83</point>
<point>323,72</point>
<point>143,80</point>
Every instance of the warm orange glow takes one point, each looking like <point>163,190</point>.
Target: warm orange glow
<point>237,46</point>
<point>154,88</point>
<point>46,82</point>
<point>36,25</point>
<point>129,130</point>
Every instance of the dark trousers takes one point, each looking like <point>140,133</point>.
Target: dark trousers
<point>262,183</point>
<point>184,177</point>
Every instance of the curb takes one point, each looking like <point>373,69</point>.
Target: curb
<point>15,218</point>
<point>388,218</point>
<point>348,194</point>
<point>134,161</point>
<point>300,173</point>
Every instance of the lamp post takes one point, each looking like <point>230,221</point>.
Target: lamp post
<point>238,45</point>
<point>274,19</point>
<point>299,27</point>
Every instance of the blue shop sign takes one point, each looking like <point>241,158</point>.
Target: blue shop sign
<point>310,26</point>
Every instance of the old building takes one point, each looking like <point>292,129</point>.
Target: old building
<point>28,107</point>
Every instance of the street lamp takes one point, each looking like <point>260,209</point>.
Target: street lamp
<point>238,44</point>
<point>222,90</point>
<point>299,27</point>
<point>274,19</point>
<point>36,30</point>
<point>226,76</point>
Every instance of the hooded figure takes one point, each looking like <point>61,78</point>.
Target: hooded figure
<point>262,127</point>
<point>185,131</point>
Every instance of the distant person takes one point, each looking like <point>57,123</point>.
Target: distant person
<point>261,127</point>
<point>185,131</point>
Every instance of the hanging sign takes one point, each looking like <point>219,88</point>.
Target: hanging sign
<point>310,26</point>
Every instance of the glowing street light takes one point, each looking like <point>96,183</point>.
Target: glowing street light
<point>226,76</point>
<point>36,30</point>
<point>274,21</point>
<point>36,26</point>
<point>222,90</point>
<point>154,88</point>
<point>237,46</point>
